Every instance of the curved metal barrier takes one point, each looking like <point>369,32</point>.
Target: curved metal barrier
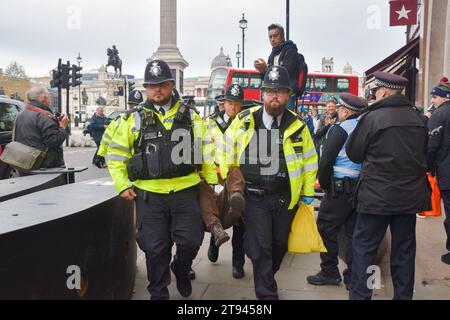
<point>17,187</point>
<point>76,241</point>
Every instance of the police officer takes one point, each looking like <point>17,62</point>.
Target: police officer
<point>337,176</point>
<point>134,100</point>
<point>390,142</point>
<point>276,155</point>
<point>220,102</point>
<point>152,160</point>
<point>230,201</point>
<point>438,149</point>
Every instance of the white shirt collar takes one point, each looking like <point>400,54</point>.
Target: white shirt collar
<point>166,107</point>
<point>268,119</point>
<point>225,117</point>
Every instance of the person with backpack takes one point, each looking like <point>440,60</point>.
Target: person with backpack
<point>285,53</point>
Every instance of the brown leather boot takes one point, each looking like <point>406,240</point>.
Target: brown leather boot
<point>237,204</point>
<point>220,236</point>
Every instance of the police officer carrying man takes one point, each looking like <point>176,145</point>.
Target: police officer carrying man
<point>148,165</point>
<point>277,157</point>
<point>438,157</point>
<point>337,176</point>
<point>390,141</point>
<point>227,210</point>
<point>134,100</point>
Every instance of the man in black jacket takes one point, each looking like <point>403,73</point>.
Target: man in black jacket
<point>284,53</point>
<point>326,121</point>
<point>390,141</point>
<point>439,150</point>
<point>39,128</point>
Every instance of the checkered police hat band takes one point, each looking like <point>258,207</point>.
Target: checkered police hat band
<point>380,83</point>
<point>342,103</point>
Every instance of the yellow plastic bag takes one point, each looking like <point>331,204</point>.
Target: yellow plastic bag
<point>304,236</point>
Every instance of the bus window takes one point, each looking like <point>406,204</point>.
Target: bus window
<point>217,83</point>
<point>341,85</point>
<point>323,84</point>
<point>256,81</point>
<point>309,84</point>
<point>241,79</point>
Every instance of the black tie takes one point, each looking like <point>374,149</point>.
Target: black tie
<point>162,111</point>
<point>274,123</point>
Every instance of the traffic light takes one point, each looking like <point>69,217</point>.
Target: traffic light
<point>56,79</point>
<point>120,91</point>
<point>76,75</point>
<point>66,76</point>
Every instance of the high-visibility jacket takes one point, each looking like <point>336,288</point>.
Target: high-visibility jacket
<point>212,147</point>
<point>121,149</point>
<point>298,147</point>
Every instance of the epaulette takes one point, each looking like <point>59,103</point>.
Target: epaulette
<point>127,113</point>
<point>244,114</point>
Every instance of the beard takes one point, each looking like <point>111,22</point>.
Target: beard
<point>274,108</point>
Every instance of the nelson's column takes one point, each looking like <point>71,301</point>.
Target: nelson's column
<point>168,50</point>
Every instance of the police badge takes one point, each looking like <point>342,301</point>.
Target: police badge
<point>155,70</point>
<point>235,91</point>
<point>274,74</point>
<point>137,95</point>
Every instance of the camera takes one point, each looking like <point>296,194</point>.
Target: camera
<point>58,116</point>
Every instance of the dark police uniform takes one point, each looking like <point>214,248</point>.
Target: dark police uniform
<point>439,154</point>
<point>390,142</point>
<point>167,209</point>
<point>272,194</point>
<point>337,176</point>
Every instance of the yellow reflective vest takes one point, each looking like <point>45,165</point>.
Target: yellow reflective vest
<point>121,149</point>
<point>212,148</point>
<point>298,147</point>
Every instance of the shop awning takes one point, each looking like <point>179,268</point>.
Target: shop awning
<point>401,62</point>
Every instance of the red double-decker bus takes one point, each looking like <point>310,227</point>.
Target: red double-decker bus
<point>222,77</point>
<point>320,87</point>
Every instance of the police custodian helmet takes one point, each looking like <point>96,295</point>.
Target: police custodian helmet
<point>135,97</point>
<point>156,72</point>
<point>277,77</point>
<point>234,93</point>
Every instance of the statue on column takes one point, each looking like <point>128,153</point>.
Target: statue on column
<point>85,97</point>
<point>114,60</point>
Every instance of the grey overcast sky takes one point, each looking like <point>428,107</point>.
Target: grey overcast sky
<point>35,33</point>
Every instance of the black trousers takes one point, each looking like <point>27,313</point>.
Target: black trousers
<point>446,197</point>
<point>237,242</point>
<point>97,143</point>
<point>369,232</point>
<point>164,219</point>
<point>267,227</point>
<point>336,212</point>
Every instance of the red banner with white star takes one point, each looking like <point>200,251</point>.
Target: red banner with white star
<point>403,12</point>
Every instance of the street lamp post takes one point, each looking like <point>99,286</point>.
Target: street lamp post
<point>228,60</point>
<point>238,56</point>
<point>79,59</point>
<point>243,26</point>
